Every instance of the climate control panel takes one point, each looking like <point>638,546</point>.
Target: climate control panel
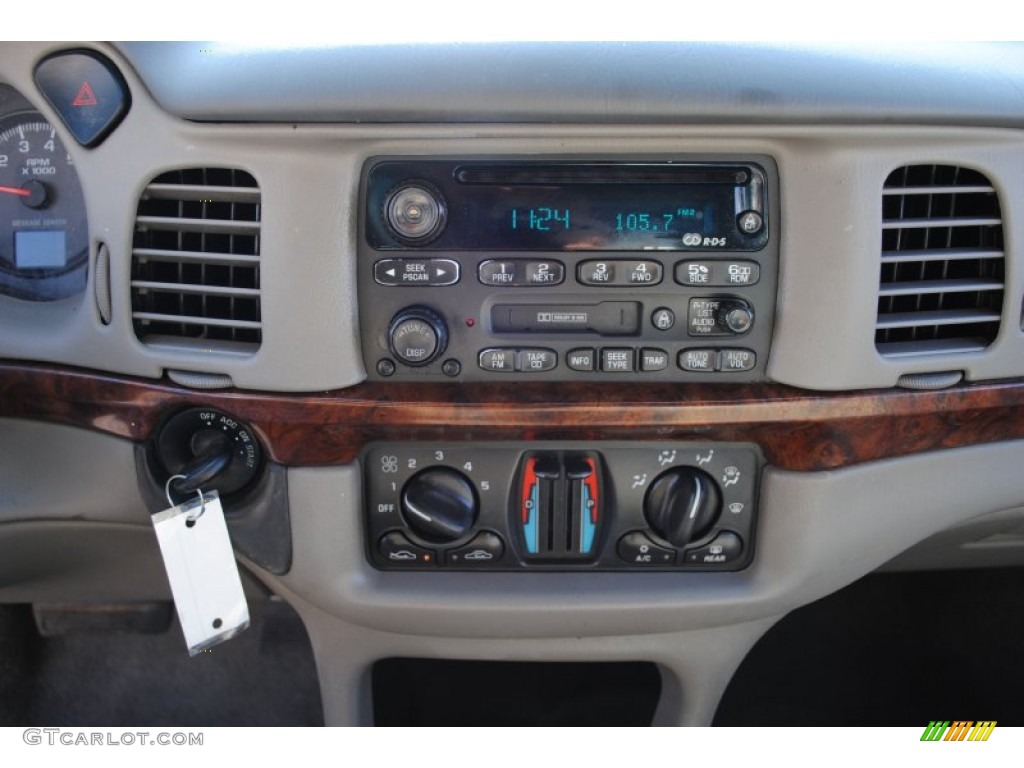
<point>561,506</point>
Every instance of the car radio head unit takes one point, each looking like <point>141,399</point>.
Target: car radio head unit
<point>566,207</point>
<point>550,269</point>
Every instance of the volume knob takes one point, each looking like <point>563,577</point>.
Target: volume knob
<point>417,336</point>
<point>682,504</point>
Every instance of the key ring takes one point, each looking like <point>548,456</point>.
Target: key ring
<point>202,499</point>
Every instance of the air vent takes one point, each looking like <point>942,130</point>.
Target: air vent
<point>941,287</point>
<point>196,261</point>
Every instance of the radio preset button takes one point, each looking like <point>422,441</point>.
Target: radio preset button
<point>543,273</point>
<point>596,272</point>
<point>536,360</point>
<point>699,273</point>
<point>517,273</point>
<point>739,273</point>
<point>653,360</point>
<point>619,272</point>
<point>717,274</point>
<point>498,360</point>
<point>431,272</point>
<point>698,360</point>
<point>641,273</point>
<point>618,360</point>
<point>498,272</point>
<point>580,359</point>
<point>736,360</point>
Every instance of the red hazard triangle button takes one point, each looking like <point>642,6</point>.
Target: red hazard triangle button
<point>85,97</point>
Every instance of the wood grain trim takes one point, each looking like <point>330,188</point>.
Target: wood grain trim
<point>796,429</point>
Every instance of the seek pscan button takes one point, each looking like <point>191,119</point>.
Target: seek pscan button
<point>87,92</point>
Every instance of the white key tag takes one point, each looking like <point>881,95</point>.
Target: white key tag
<point>202,571</point>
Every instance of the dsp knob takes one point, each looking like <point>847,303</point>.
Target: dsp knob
<point>439,504</point>
<point>682,504</point>
<point>417,335</point>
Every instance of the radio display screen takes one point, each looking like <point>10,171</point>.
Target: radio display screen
<point>570,208</point>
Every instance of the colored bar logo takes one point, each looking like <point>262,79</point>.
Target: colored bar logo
<point>959,730</point>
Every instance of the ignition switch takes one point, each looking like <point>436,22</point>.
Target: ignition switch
<point>210,449</point>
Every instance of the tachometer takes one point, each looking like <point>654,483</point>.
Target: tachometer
<point>43,230</point>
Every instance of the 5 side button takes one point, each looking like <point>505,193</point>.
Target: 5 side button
<point>399,551</point>
<point>636,549</point>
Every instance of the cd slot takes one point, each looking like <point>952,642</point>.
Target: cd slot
<point>540,175</point>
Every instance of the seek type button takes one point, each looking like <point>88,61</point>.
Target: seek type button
<point>617,360</point>
<point>636,549</point>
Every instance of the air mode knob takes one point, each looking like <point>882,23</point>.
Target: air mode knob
<point>417,335</point>
<point>682,504</point>
<point>439,504</point>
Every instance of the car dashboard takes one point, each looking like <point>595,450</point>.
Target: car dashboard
<point>552,352</point>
